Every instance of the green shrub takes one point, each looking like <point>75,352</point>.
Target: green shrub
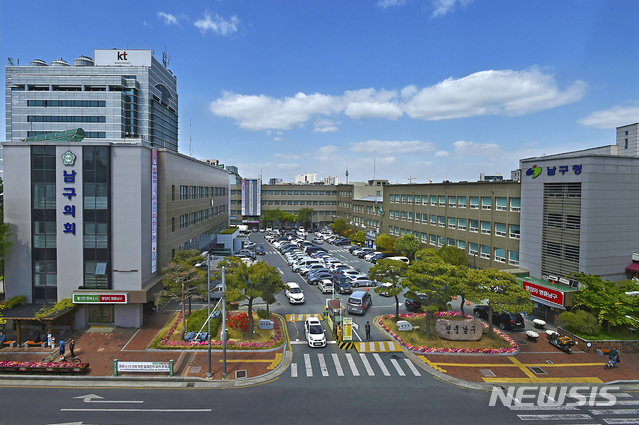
<point>15,301</point>
<point>263,314</point>
<point>582,321</point>
<point>197,318</point>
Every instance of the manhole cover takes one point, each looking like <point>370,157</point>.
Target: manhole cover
<point>487,372</point>
<point>538,370</point>
<point>240,374</point>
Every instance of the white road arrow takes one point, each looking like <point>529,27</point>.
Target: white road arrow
<point>90,398</point>
<point>355,326</point>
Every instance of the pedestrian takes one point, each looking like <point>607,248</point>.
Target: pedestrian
<point>62,344</point>
<point>368,331</point>
<point>3,339</point>
<point>72,347</point>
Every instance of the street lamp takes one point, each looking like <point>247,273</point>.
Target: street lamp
<point>225,375</point>
<point>209,375</point>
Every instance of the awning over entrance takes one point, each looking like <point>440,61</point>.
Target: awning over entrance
<point>634,268</point>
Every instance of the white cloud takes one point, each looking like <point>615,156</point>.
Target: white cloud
<point>218,25</point>
<point>326,153</point>
<point>263,112</point>
<point>612,118</point>
<point>390,3</point>
<point>492,93</point>
<point>167,18</point>
<point>441,154</point>
<point>443,7</point>
<point>286,155</point>
<point>474,149</point>
<point>392,147</point>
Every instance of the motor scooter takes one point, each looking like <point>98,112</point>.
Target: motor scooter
<point>564,343</point>
<point>612,363</point>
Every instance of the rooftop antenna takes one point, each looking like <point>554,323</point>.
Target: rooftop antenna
<point>11,62</point>
<point>410,179</point>
<point>190,138</point>
<point>347,176</point>
<point>165,58</point>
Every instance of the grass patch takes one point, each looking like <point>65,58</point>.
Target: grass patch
<point>156,341</point>
<point>616,334</point>
<point>419,338</point>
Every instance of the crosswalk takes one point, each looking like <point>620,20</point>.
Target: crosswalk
<point>624,411</point>
<point>350,364</point>
<point>301,317</point>
<point>377,346</point>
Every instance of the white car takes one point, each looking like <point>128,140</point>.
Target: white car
<point>361,281</point>
<point>384,292</point>
<point>314,332</point>
<point>326,286</point>
<point>368,257</point>
<point>294,293</point>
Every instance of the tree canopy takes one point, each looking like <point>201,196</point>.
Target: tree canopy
<point>389,271</point>
<point>305,216</point>
<point>359,237</point>
<point>407,245</point>
<point>385,243</point>
<point>339,226</point>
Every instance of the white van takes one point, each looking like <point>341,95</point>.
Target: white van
<point>404,259</point>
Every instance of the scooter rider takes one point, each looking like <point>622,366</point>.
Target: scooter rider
<point>613,355</point>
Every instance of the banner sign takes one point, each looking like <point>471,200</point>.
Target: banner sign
<point>144,367</point>
<point>100,298</point>
<point>547,294</point>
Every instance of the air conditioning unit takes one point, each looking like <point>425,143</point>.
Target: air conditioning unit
<point>551,278</point>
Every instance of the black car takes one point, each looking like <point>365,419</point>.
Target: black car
<point>414,305</point>
<point>316,277</point>
<point>353,248</point>
<point>344,241</point>
<point>503,319</point>
<point>342,286</point>
<point>364,252</point>
<point>376,257</point>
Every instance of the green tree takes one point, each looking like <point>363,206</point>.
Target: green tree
<point>385,243</point>
<point>339,226</point>
<point>501,290</point>
<point>453,255</point>
<point>271,216</point>
<point>407,245</point>
<point>426,254</point>
<point>457,257</point>
<point>359,238</point>
<point>389,271</point>
<point>431,281</point>
<point>304,216</point>
<point>607,300</point>
<point>288,218</point>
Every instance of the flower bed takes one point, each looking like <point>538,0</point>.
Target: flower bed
<point>43,367</point>
<point>448,314</point>
<point>275,341</point>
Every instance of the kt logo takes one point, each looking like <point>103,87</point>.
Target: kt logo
<point>122,56</point>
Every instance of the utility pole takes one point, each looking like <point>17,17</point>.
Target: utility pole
<point>209,375</point>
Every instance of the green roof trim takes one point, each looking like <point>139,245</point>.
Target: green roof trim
<point>75,135</point>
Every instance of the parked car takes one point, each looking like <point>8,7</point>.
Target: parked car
<point>368,256</point>
<point>384,291</point>
<point>359,302</point>
<point>361,281</point>
<point>318,241</point>
<point>503,319</point>
<point>315,336</point>
<point>326,286</point>
<point>364,252</point>
<point>259,250</point>
<point>343,241</point>
<point>294,293</point>
<point>354,248</point>
<point>342,286</point>
<point>315,278</point>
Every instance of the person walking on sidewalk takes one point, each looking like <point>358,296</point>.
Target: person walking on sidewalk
<point>368,331</point>
<point>3,338</point>
<point>62,345</point>
<point>71,348</point>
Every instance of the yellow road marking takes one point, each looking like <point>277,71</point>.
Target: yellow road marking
<point>431,364</point>
<point>515,365</point>
<point>523,368</point>
<point>278,359</point>
<point>583,380</point>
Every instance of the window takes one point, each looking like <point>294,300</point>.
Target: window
<point>474,226</point>
<point>473,249</point>
<point>433,200</point>
<point>403,199</point>
<point>418,200</point>
<point>500,229</point>
<point>442,201</point>
<point>485,252</point>
<point>450,242</point>
<point>184,192</point>
<point>554,220</point>
<point>501,204</point>
<point>418,217</point>
<point>433,220</point>
<point>461,202</point>
<point>451,222</point>
<point>425,237</point>
<point>515,204</point>
<point>410,199</point>
<point>500,255</point>
<point>191,192</point>
<point>573,222</point>
<point>403,215</point>
<point>452,201</point>
<point>474,202</point>
<point>461,245</point>
<point>200,192</point>
<point>514,231</point>
<point>513,258</point>
<point>486,203</point>
<point>410,216</point>
<point>461,223</point>
<point>433,239</point>
<point>441,221</point>
<point>441,241</point>
<point>485,227</point>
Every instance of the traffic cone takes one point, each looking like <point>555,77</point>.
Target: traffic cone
<point>366,287</point>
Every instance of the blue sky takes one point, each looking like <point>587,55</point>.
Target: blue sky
<point>393,89</point>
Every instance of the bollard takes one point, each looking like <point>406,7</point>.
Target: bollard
<point>115,367</point>
<point>171,367</point>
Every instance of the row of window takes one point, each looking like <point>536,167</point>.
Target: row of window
<point>476,202</point>
<point>291,192</point>
<point>486,227</point>
<point>360,221</point>
<point>65,118</point>
<point>293,202</point>
<point>238,213</point>
<point>499,255</point>
<point>68,103</point>
<point>195,217</point>
<point>198,192</point>
<point>88,134</point>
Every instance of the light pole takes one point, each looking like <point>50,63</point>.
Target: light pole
<point>209,375</point>
<point>225,375</point>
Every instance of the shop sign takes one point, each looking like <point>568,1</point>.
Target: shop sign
<point>552,295</point>
<point>99,298</point>
<point>535,171</point>
<point>144,367</point>
<point>348,329</point>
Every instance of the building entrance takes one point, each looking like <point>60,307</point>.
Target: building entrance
<point>101,314</point>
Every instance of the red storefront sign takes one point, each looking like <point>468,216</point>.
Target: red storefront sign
<point>547,294</point>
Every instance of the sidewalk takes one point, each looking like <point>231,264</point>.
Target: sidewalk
<point>99,346</point>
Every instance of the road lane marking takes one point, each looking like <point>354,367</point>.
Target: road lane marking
<point>412,367</point>
<point>293,370</point>
<point>307,364</point>
<point>351,363</point>
<point>574,417</point>
<point>138,410</point>
<point>381,364</point>
<point>531,408</point>
<point>338,365</point>
<point>322,363</point>
<point>397,367</point>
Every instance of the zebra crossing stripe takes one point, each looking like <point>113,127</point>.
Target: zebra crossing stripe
<point>381,364</point>
<point>557,417</point>
<point>367,365</point>
<point>397,367</point>
<point>412,367</point>
<point>351,363</point>
<point>338,365</point>
<point>293,370</point>
<point>322,363</point>
<point>307,364</point>
<point>371,346</point>
<point>616,412</point>
<point>382,346</point>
